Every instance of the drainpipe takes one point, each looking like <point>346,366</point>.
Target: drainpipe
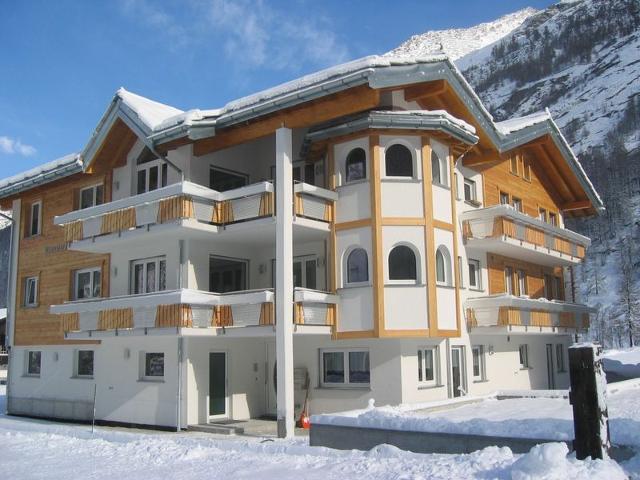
<point>9,336</point>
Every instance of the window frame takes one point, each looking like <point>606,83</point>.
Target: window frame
<point>145,261</point>
<point>348,254</point>
<point>443,176</point>
<point>163,174</point>
<point>94,195</point>
<point>504,198</point>
<point>421,361</point>
<point>516,203</point>
<point>76,364</point>
<point>36,282</point>
<point>30,231</point>
<point>347,180</point>
<point>345,362</point>
<point>412,155</point>
<point>77,273</point>
<point>447,266</point>
<point>508,280</point>
<point>521,277</point>
<point>27,367</point>
<point>523,356</point>
<point>144,374</point>
<point>478,275</point>
<point>416,258</point>
<point>473,200</point>
<point>513,162</point>
<point>482,364</point>
<point>526,169</point>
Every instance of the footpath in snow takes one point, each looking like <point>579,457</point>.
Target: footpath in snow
<point>32,449</point>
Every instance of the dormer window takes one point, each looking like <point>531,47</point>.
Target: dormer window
<point>398,161</point>
<point>356,165</point>
<point>151,172</point>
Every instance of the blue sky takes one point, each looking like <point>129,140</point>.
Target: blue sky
<point>61,61</point>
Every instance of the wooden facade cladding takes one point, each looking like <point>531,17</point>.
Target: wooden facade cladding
<point>174,208</point>
<point>535,275</point>
<point>47,257</point>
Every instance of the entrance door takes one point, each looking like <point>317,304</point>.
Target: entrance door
<point>551,374</point>
<point>270,379</point>
<point>218,403</point>
<point>457,371</point>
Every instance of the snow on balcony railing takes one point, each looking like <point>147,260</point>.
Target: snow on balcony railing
<point>191,309</point>
<point>508,310</point>
<point>501,221</point>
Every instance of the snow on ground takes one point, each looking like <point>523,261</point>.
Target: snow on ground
<point>622,364</point>
<point>32,449</point>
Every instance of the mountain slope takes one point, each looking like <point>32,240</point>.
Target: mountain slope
<point>582,60</point>
<point>458,42</point>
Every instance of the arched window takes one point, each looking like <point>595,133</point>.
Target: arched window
<point>398,161</point>
<point>356,165</point>
<point>438,169</point>
<point>443,266</point>
<point>402,264</point>
<point>357,266</point>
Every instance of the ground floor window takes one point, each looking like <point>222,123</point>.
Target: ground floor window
<point>428,366</point>
<point>560,357</point>
<point>84,363</point>
<point>345,367</point>
<point>524,356</point>
<point>479,368</point>
<point>34,361</point>
<point>152,365</point>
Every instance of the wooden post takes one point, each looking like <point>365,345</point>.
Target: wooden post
<point>588,398</point>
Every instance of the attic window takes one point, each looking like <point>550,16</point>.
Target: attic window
<point>151,172</point>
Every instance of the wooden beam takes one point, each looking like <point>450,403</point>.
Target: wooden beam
<point>350,101</point>
<point>579,205</point>
<point>553,173</point>
<point>424,90</point>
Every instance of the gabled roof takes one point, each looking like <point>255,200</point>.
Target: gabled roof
<point>54,170</point>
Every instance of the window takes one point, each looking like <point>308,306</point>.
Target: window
<point>438,169</point>
<point>474,274</point>
<point>153,366</point>
<point>513,162</point>
<point>230,274</point>
<point>35,221</point>
<point>504,198</point>
<point>428,371</point>
<point>345,368</point>
<point>522,282</point>
<point>508,280</point>
<point>402,264</point>
<point>91,196</point>
<point>31,291</point>
<point>357,266</point>
<point>398,161</point>
<point>551,287</point>
<point>470,190</point>
<point>523,351</point>
<point>151,172</point>
<point>526,173</point>
<point>148,275</point>
<point>34,361</point>
<point>479,369</point>
<point>443,266</point>
<point>84,363</point>
<point>455,185</point>
<point>356,165</point>
<point>460,273</point>
<point>87,283</point>
<point>517,204</point>
<point>542,215</point>
<point>304,271</point>
<point>560,357</point>
<point>553,219</point>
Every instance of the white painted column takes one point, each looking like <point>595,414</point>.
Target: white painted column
<point>284,282</point>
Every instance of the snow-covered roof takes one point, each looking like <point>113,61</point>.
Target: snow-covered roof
<point>61,167</point>
<point>433,113</point>
<point>514,124</point>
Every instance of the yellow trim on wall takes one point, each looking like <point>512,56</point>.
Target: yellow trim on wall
<point>364,222</point>
<point>456,265</point>
<point>429,237</point>
<point>376,236</point>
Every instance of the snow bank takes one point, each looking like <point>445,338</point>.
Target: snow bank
<point>622,363</point>
<point>550,462</point>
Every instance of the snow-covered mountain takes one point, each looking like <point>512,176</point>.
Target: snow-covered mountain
<point>458,42</point>
<point>581,59</point>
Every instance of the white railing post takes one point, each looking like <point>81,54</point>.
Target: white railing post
<point>284,282</point>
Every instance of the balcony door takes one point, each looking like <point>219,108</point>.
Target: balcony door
<point>218,397</point>
<point>305,273</point>
<point>227,274</point>
<point>222,180</point>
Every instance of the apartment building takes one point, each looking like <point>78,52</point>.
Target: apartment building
<point>368,231</point>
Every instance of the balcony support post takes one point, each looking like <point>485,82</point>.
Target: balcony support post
<point>284,282</point>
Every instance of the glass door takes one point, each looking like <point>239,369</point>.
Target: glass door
<point>218,385</point>
<point>457,371</point>
<point>551,374</point>
<point>227,274</point>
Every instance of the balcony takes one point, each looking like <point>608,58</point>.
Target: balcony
<point>503,230</point>
<point>198,211</point>
<point>510,314</point>
<point>193,312</point>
